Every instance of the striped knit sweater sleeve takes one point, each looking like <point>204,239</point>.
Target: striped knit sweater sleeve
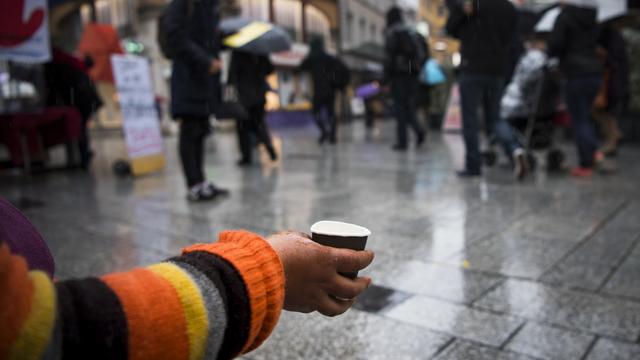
<point>215,301</point>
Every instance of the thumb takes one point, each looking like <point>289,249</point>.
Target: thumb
<point>351,260</point>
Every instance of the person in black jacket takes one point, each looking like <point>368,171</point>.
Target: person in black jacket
<point>617,86</point>
<point>323,69</point>
<point>247,72</point>
<point>485,29</point>
<point>405,53</point>
<point>574,41</point>
<point>195,85</point>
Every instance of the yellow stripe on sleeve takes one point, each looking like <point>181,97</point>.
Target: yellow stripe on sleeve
<point>193,305</point>
<point>35,334</point>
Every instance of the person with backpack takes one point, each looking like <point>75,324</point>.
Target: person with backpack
<point>248,73</point>
<point>405,54</point>
<point>485,29</point>
<point>329,74</point>
<point>188,36</point>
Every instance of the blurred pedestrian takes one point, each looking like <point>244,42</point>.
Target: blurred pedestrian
<point>68,84</point>
<point>485,29</point>
<point>329,74</point>
<point>574,41</point>
<point>195,85</point>
<point>247,72</point>
<point>405,54</point>
<point>614,90</point>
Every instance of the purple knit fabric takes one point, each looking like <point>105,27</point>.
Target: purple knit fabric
<point>23,238</point>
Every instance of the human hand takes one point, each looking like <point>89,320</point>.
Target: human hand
<point>311,271</point>
<point>215,66</point>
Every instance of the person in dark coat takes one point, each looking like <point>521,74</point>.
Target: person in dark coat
<point>574,41</point>
<point>322,68</point>
<point>616,86</point>
<point>404,57</point>
<point>195,85</point>
<point>485,29</point>
<point>247,72</point>
<point>68,84</point>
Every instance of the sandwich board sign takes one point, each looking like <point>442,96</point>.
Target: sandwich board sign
<point>139,113</point>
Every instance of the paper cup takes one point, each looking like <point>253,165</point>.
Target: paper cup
<point>340,235</point>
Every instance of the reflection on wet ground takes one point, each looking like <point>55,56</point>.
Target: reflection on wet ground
<point>480,269</point>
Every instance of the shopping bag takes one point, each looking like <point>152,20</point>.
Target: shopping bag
<point>432,74</point>
<point>230,107</point>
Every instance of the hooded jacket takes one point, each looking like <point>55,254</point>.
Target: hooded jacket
<point>192,34</point>
<point>485,36</point>
<point>574,41</point>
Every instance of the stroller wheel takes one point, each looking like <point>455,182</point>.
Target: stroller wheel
<point>489,157</point>
<point>555,160</point>
<point>122,168</point>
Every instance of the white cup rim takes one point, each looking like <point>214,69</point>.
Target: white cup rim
<point>339,228</point>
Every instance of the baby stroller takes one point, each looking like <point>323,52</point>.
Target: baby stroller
<point>536,131</point>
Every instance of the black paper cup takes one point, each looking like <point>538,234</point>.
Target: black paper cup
<point>340,235</point>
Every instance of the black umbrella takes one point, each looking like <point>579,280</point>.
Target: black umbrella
<point>254,37</point>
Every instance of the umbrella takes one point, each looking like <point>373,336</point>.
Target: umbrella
<point>607,10</point>
<point>254,36</point>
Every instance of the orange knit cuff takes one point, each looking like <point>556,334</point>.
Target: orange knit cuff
<point>263,274</point>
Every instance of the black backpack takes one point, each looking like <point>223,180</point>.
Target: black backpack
<point>341,75</point>
<point>412,51</point>
<point>162,36</point>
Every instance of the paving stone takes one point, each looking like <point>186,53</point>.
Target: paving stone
<point>435,280</point>
<point>550,343</point>
<point>572,273</point>
<point>625,280</point>
<point>577,310</point>
<point>456,320</point>
<point>355,335</point>
<point>463,350</point>
<point>606,349</point>
<point>513,254</point>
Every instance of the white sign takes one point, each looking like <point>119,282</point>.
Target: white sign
<point>137,104</point>
<point>24,31</point>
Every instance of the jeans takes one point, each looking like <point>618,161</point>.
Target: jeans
<point>580,94</point>
<point>193,131</point>
<point>254,125</point>
<point>485,90</point>
<point>324,113</point>
<point>404,89</point>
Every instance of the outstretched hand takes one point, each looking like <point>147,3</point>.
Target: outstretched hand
<point>312,279</point>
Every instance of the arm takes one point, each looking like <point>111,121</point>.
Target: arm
<point>214,301</point>
<point>558,39</point>
<point>176,22</point>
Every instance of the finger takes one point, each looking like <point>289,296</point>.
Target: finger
<point>351,260</point>
<point>330,306</point>
<point>345,288</point>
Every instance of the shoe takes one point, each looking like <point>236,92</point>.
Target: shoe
<point>398,147</point>
<point>521,164</point>
<point>420,140</point>
<point>468,173</point>
<point>205,192</point>
<point>244,162</point>
<point>322,139</point>
<point>216,191</point>
<point>332,140</point>
<point>582,172</point>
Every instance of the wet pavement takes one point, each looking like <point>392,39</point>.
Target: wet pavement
<point>475,269</point>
